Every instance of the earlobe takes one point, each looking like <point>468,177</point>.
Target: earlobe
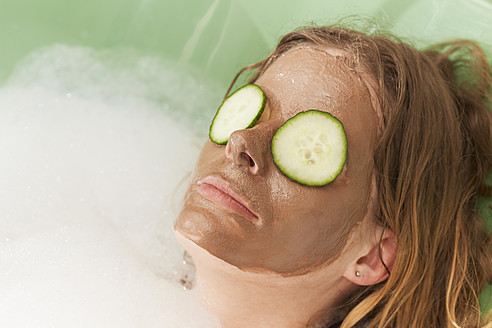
<point>372,268</point>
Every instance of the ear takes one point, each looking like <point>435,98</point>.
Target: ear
<point>368,269</point>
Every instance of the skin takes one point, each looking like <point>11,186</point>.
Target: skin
<point>298,228</point>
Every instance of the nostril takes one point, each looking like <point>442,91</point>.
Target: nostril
<point>250,160</point>
<point>238,152</point>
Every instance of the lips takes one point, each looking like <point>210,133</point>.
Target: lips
<point>219,192</point>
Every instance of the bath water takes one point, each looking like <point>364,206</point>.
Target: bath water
<point>96,149</point>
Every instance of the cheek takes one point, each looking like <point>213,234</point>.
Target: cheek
<point>312,218</point>
<point>209,154</point>
<point>318,221</point>
<point>327,206</point>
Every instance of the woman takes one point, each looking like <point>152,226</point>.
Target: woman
<point>394,240</point>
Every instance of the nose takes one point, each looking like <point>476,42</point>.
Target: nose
<point>250,148</point>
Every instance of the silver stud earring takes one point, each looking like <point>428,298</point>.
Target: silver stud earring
<point>357,273</point>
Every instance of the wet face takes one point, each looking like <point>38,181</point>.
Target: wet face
<point>242,209</point>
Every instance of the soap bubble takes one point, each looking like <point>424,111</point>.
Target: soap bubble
<point>97,148</point>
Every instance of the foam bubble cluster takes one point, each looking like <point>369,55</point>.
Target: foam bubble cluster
<point>96,151</point>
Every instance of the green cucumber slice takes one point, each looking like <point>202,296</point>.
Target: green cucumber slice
<point>241,110</point>
<point>310,148</point>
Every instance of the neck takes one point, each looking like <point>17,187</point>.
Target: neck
<point>252,299</point>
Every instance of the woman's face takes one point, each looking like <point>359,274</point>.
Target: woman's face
<point>243,210</point>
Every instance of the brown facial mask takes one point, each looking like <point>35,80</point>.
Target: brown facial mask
<point>243,210</point>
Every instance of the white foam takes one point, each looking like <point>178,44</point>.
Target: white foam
<point>96,148</point>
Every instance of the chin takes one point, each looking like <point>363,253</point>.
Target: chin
<point>190,226</point>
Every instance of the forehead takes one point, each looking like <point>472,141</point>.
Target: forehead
<point>315,78</point>
<point>311,78</point>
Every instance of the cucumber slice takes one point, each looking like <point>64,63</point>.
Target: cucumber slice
<point>310,148</point>
<point>241,110</point>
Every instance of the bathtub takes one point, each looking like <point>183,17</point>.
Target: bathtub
<point>214,38</point>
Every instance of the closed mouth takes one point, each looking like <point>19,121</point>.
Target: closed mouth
<point>219,192</point>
